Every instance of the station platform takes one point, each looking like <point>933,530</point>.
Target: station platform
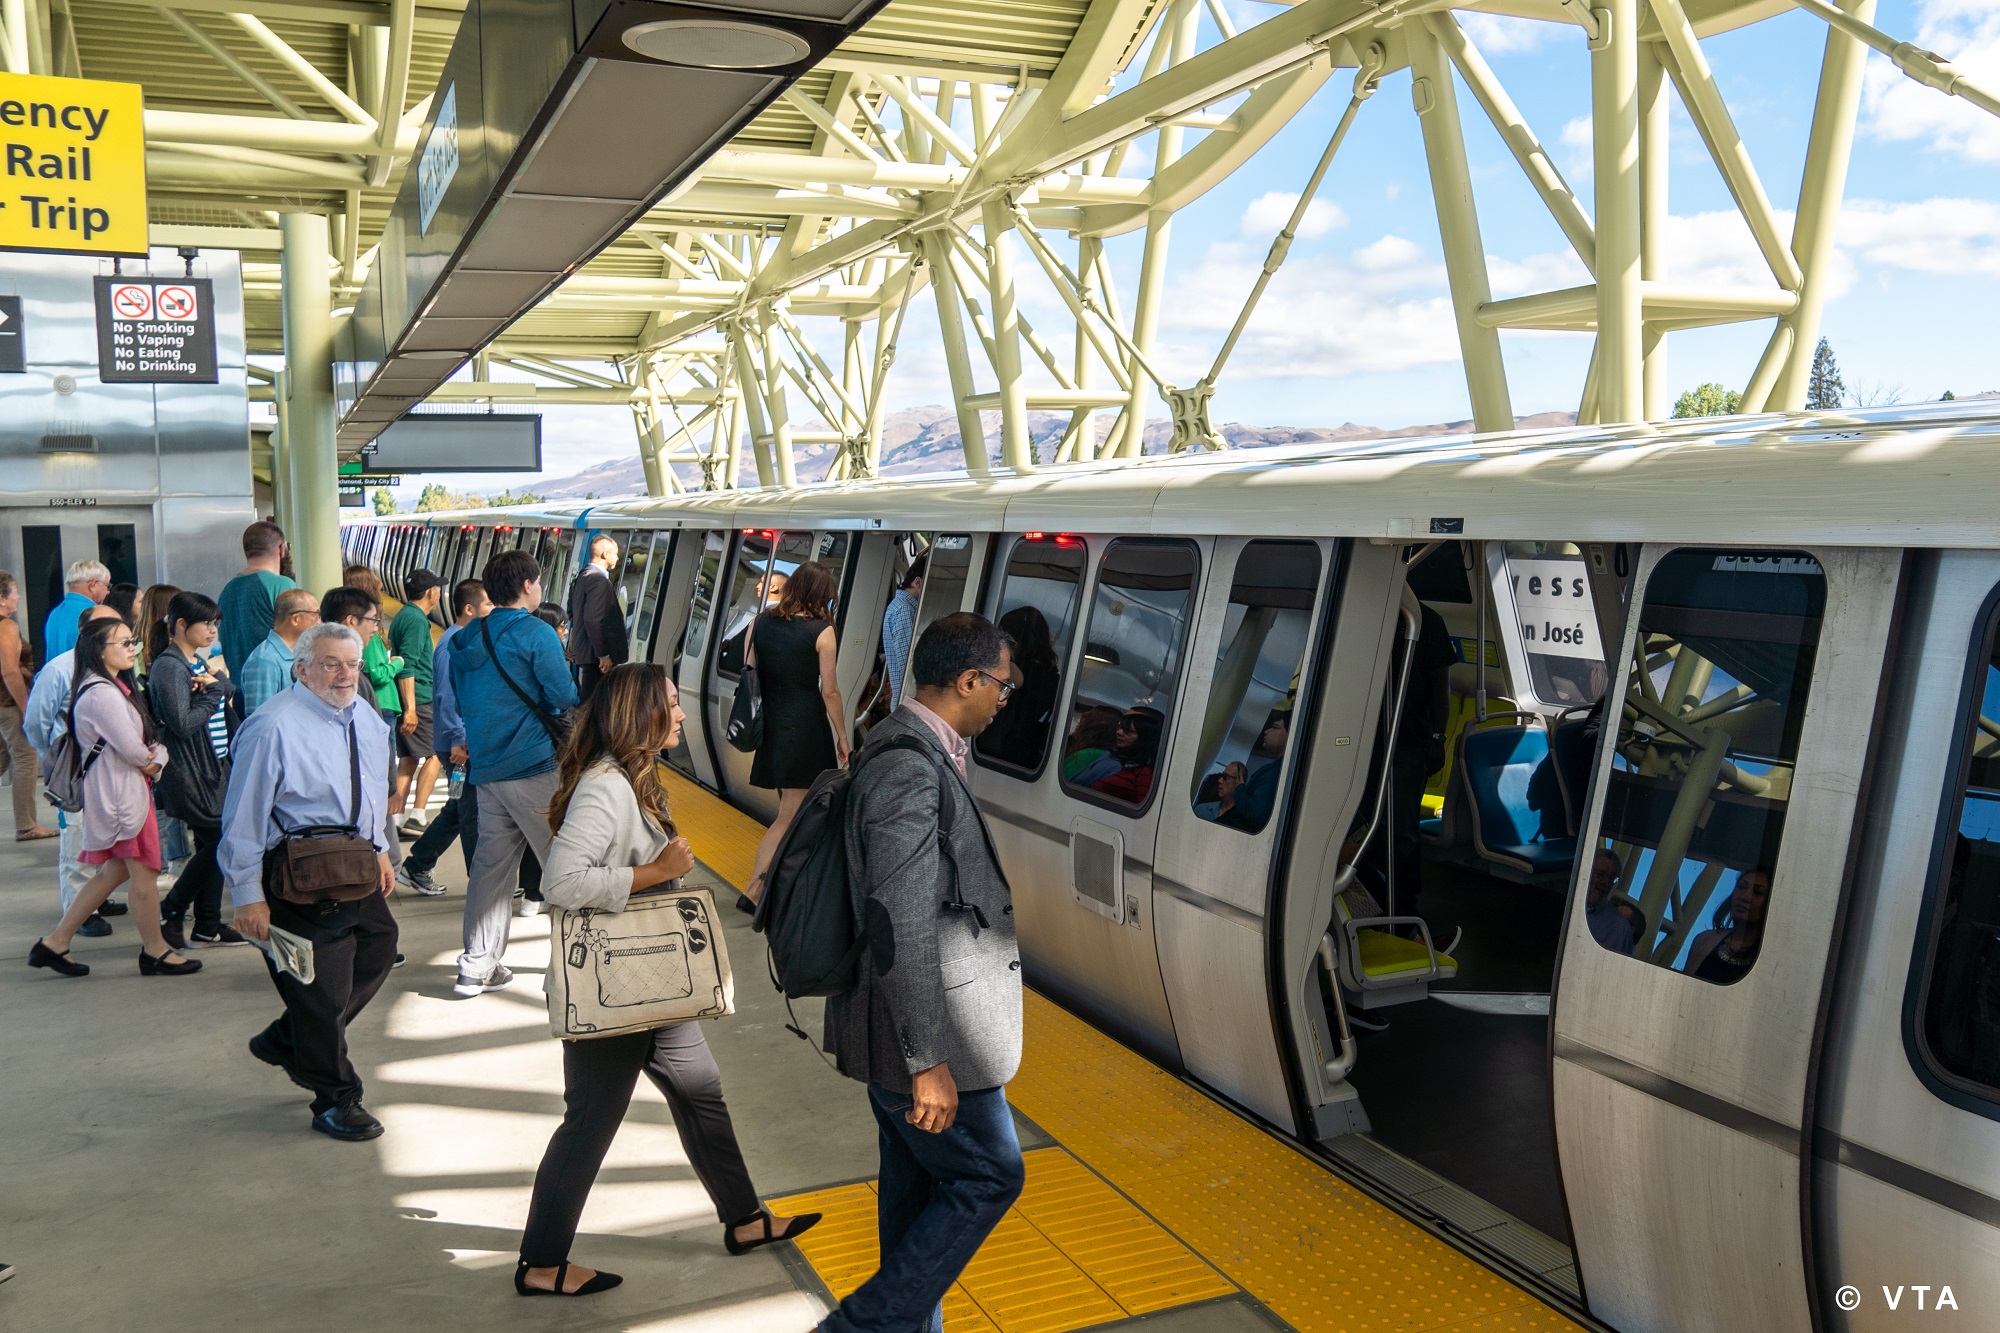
<point>154,1173</point>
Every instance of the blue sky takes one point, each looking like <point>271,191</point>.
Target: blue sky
<point>1358,327</point>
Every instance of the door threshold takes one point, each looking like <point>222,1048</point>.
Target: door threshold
<point>1514,1242</point>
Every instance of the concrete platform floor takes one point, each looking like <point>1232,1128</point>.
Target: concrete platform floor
<point>153,1175</point>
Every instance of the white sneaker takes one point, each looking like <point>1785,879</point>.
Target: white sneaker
<point>527,907</point>
<point>498,979</point>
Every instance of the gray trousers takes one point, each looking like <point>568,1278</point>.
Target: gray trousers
<point>513,818</point>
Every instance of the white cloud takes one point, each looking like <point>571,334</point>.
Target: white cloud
<point>1898,109</point>
<point>1578,142</point>
<point>1502,34</point>
<point>1393,255</point>
<point>1950,237</point>
<point>1537,273</point>
<point>1268,212</point>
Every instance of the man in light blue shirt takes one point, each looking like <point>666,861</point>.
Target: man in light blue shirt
<point>44,721</point>
<point>314,756</point>
<point>89,584</point>
<point>267,672</point>
<point>459,820</point>
<point>899,627</point>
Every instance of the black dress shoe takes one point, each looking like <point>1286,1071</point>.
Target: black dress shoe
<point>110,908</point>
<point>43,956</point>
<point>264,1050</point>
<point>94,927</point>
<point>798,1226</point>
<point>150,966</point>
<point>348,1122</point>
<point>600,1282</point>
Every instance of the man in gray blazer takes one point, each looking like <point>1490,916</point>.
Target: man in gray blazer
<point>933,1026</point>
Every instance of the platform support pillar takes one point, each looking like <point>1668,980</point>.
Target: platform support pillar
<point>1653,132</point>
<point>957,357</point>
<point>1614,93</point>
<point>1017,450</point>
<point>312,464</point>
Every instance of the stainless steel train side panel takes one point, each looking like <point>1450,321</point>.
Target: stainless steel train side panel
<point>1907,1184</point>
<point>1105,969</point>
<point>1679,1104</point>
<point>871,567</point>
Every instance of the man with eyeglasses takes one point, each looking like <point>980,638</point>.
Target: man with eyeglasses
<point>933,1024</point>
<point>267,672</point>
<point>291,769</point>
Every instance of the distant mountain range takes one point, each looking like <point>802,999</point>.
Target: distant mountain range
<point>926,439</point>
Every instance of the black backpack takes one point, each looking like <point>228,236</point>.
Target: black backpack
<point>809,909</point>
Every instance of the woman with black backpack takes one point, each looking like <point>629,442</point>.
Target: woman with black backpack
<point>121,834</point>
<point>193,702</point>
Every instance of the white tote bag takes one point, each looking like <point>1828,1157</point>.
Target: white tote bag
<point>660,961</point>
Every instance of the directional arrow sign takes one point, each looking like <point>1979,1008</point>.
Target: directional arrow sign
<point>13,353</point>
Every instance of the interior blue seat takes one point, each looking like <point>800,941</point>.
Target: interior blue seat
<point>1517,817</point>
<point>1570,755</point>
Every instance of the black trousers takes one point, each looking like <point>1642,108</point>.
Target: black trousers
<point>199,885</point>
<point>354,946</point>
<point>587,676</point>
<point>598,1078</point>
<point>458,820</point>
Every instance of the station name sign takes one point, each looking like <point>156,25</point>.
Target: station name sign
<point>74,156</point>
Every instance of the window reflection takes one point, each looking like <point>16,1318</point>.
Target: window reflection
<point>1037,607</point>
<point>1702,769</point>
<point>1248,722</point>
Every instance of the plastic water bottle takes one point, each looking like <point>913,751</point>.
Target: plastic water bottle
<point>455,783</point>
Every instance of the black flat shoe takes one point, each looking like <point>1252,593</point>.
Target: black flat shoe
<point>602,1282</point>
<point>797,1227</point>
<point>350,1123</point>
<point>109,908</point>
<point>43,956</point>
<point>150,966</point>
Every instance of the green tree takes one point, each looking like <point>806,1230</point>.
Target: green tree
<point>1708,400</point>
<point>384,501</point>
<point>1949,397</point>
<point>1825,391</point>
<point>434,498</point>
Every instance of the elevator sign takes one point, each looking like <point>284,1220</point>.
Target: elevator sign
<point>74,152</point>
<point>155,330</point>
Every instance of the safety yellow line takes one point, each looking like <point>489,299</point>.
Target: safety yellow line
<point>1158,1197</point>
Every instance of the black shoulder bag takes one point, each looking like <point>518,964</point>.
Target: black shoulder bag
<point>556,724</point>
<point>326,862</point>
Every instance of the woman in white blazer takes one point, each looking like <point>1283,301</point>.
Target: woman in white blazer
<point>613,838</point>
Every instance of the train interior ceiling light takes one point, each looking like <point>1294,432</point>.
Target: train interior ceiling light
<point>553,130</point>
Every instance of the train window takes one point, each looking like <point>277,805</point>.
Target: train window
<point>1130,668</point>
<point>1037,607</point>
<point>1247,725</point>
<point>629,576</point>
<point>750,591</point>
<point>702,598</point>
<point>645,563</point>
<point>1957,1025</point>
<point>947,566</point>
<point>1702,772</point>
<point>1556,620</point>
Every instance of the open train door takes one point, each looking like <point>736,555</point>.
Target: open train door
<point>1689,1004</point>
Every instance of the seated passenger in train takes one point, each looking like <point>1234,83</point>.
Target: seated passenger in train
<point>1217,794</point>
<point>1725,952</point>
<point>1136,747</point>
<point>1251,809</point>
<point>1087,753</point>
<point>1609,926</point>
<point>1019,732</point>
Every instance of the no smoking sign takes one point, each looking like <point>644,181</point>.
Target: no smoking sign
<point>131,300</point>
<point>155,330</point>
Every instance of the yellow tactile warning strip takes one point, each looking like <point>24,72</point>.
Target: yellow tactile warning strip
<point>1073,1253</point>
<point>1158,1197</point>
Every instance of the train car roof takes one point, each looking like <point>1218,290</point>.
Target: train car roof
<point>1902,476</point>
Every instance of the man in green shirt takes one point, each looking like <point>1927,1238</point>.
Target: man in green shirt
<point>410,640</point>
<point>248,600</point>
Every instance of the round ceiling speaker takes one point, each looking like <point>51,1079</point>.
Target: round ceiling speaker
<point>716,44</point>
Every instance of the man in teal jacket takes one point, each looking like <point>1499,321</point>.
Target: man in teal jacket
<point>511,684</point>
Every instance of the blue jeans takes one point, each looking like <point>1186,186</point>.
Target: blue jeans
<point>941,1195</point>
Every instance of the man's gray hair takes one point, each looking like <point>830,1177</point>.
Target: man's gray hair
<point>83,572</point>
<point>308,644</point>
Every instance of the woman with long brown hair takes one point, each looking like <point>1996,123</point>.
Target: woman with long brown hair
<point>614,837</point>
<point>793,648</point>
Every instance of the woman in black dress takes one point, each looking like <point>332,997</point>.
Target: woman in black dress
<point>792,646</point>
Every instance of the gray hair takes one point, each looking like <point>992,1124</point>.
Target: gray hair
<point>82,572</point>
<point>309,642</point>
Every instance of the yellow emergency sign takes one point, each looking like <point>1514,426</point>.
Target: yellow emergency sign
<point>74,156</point>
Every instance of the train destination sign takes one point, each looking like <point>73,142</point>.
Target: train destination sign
<point>155,330</point>
<point>75,158</point>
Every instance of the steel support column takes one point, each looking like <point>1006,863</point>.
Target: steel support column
<point>1614,89</point>
<point>957,358</point>
<point>310,455</point>
<point>1436,100</point>
<point>1653,145</point>
<point>1017,450</point>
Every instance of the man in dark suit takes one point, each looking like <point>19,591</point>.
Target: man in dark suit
<point>933,1026</point>
<point>596,622</point>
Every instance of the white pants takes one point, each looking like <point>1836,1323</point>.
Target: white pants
<point>513,817</point>
<point>71,873</point>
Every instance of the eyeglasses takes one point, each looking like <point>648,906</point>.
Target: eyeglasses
<point>371,620</point>
<point>1006,687</point>
<point>127,642</point>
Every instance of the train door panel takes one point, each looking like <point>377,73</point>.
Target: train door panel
<point>870,566</point>
<point>1696,951</point>
<point>1219,821</point>
<point>1906,1185</point>
<point>702,554</point>
<point>1073,790</point>
<point>747,591</point>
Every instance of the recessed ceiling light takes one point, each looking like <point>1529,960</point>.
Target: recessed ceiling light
<point>716,44</point>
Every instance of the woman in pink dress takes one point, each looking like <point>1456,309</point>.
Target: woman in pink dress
<point>121,834</point>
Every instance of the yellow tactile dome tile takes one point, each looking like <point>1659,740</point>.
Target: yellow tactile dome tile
<point>723,837</point>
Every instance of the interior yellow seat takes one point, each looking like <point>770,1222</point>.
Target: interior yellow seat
<point>1384,955</point>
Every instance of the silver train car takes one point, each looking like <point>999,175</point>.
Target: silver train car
<point>1587,841</point>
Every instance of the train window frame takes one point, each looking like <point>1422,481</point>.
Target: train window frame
<point>1805,670</point>
<point>1322,567</point>
<point>993,591</point>
<point>1947,1085</point>
<point>1568,618</point>
<point>1170,681</point>
<point>770,536</point>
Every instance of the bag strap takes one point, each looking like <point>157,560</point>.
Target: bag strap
<point>83,768</point>
<point>493,654</point>
<point>947,816</point>
<point>354,778</point>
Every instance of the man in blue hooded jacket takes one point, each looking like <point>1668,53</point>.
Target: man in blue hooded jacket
<point>511,683</point>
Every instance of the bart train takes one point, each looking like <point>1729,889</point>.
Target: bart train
<point>1588,840</point>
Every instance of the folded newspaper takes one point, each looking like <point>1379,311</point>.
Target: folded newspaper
<point>289,953</point>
